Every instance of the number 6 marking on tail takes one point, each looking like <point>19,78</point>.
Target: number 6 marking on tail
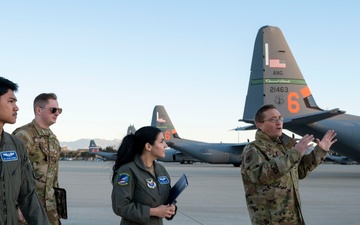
<point>293,104</point>
<point>167,135</point>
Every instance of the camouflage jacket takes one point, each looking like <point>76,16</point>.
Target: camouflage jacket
<point>44,153</point>
<point>271,171</point>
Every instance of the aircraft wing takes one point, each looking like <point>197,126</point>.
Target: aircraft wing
<point>248,127</point>
<point>314,117</point>
<point>304,119</point>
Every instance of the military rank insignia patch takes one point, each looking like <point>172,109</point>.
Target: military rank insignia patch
<point>150,183</point>
<point>123,179</point>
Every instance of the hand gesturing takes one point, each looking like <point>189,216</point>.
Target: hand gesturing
<point>327,140</point>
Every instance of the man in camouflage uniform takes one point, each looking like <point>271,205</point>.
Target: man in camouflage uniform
<point>44,150</point>
<point>272,166</point>
<point>17,184</point>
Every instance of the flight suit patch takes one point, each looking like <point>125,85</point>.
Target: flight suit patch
<point>123,179</point>
<point>163,180</point>
<point>9,156</point>
<point>150,183</point>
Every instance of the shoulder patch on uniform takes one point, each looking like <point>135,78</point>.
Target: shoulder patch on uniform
<point>9,156</point>
<point>248,158</point>
<point>123,179</point>
<point>163,180</point>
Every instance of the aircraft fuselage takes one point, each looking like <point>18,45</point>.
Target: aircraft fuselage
<point>346,127</point>
<point>216,153</point>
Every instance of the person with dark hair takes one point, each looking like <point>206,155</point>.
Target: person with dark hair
<point>17,184</point>
<point>44,150</point>
<point>141,186</point>
<point>272,166</point>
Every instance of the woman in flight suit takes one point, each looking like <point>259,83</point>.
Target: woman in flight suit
<point>141,186</point>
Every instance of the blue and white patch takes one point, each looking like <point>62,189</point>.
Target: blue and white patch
<point>163,180</point>
<point>151,183</point>
<point>9,156</point>
<point>123,179</point>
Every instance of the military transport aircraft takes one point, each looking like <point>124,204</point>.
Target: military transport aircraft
<point>216,153</point>
<point>94,149</point>
<point>171,155</point>
<point>275,78</point>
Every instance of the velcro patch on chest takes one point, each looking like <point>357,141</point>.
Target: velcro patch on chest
<point>150,183</point>
<point>9,156</point>
<point>39,140</point>
<point>123,179</point>
<point>163,180</point>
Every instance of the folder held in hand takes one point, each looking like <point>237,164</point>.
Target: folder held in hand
<point>176,190</point>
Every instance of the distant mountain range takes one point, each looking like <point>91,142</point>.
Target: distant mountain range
<point>84,143</point>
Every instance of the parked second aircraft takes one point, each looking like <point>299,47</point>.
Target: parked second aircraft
<point>171,155</point>
<point>217,153</point>
<point>94,149</point>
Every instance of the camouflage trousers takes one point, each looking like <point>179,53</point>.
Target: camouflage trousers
<point>53,217</point>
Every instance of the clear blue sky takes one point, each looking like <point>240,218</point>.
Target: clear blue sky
<point>111,62</point>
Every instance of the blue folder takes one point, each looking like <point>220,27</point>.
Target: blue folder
<point>176,190</point>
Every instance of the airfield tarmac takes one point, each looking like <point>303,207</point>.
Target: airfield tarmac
<point>215,196</point>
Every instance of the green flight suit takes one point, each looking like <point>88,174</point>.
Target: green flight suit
<point>136,190</point>
<point>44,152</point>
<point>271,170</point>
<point>17,184</point>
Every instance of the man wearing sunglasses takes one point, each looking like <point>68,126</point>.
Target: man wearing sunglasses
<point>272,166</point>
<point>44,151</point>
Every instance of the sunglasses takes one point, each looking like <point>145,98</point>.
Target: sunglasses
<point>53,110</point>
